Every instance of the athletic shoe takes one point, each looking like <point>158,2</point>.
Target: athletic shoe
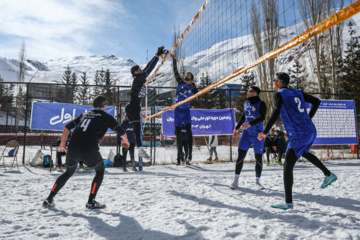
<point>259,186</point>
<point>268,164</point>
<point>95,205</point>
<point>283,206</point>
<point>134,168</point>
<point>328,180</point>
<point>48,203</point>
<point>187,162</point>
<point>280,163</point>
<point>143,154</point>
<point>234,184</point>
<point>178,163</point>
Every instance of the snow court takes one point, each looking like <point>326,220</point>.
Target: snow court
<point>190,202</point>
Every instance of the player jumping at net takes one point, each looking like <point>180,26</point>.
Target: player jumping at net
<point>136,93</point>
<point>186,88</point>
<point>252,124</point>
<point>90,127</point>
<point>290,105</point>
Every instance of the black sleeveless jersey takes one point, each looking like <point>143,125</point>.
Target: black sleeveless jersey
<point>90,128</point>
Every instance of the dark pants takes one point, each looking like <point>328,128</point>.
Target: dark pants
<point>290,160</point>
<point>60,182</point>
<point>131,151</point>
<point>179,140</point>
<point>58,158</point>
<point>240,162</point>
<point>268,151</point>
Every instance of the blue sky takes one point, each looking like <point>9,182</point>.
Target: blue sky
<point>125,28</point>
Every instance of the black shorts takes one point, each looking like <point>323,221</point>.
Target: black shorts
<point>91,159</point>
<point>133,112</point>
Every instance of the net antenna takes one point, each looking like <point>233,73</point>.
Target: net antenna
<point>222,39</point>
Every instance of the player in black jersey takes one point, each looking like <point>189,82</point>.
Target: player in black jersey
<point>90,127</point>
<point>136,93</point>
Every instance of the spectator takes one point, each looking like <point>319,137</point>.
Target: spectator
<point>42,140</point>
<point>269,145</point>
<point>130,135</point>
<point>280,143</point>
<point>213,143</point>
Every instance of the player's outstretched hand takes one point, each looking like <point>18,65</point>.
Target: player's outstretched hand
<point>61,149</point>
<point>261,136</point>
<point>160,51</point>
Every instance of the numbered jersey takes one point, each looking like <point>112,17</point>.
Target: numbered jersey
<point>252,112</point>
<point>184,91</point>
<point>294,114</point>
<point>90,127</point>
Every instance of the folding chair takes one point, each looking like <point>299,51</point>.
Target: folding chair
<point>13,144</point>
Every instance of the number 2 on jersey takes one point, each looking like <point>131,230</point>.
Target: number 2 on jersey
<point>85,124</point>
<point>298,101</point>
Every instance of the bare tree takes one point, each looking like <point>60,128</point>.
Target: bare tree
<point>266,38</point>
<point>312,12</point>
<point>21,79</point>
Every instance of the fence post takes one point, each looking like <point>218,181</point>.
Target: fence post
<point>357,131</point>
<point>26,110</point>
<point>230,135</point>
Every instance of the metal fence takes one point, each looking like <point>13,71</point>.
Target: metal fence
<point>16,106</point>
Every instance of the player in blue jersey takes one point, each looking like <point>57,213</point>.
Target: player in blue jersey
<point>186,88</point>
<point>252,124</point>
<point>290,105</point>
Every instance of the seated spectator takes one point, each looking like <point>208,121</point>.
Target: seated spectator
<point>269,145</point>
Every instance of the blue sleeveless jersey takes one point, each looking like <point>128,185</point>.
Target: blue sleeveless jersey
<point>294,115</point>
<point>252,112</point>
<point>183,91</point>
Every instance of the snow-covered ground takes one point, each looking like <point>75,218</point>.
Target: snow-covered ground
<point>182,202</point>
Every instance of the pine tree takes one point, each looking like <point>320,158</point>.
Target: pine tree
<point>351,65</point>
<point>73,87</point>
<point>108,90</point>
<point>5,95</point>
<point>97,81</point>
<point>82,95</point>
<point>221,101</point>
<point>247,80</point>
<point>206,100</point>
<point>297,76</point>
<point>66,80</point>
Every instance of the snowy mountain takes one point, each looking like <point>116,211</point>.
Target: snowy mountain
<point>218,61</point>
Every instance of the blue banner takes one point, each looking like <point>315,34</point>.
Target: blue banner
<point>203,122</point>
<point>335,122</point>
<point>54,116</point>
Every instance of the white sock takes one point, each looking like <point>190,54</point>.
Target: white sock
<point>237,177</point>
<point>257,179</point>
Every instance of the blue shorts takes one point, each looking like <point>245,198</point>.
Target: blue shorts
<point>182,116</point>
<point>302,144</point>
<point>247,139</point>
